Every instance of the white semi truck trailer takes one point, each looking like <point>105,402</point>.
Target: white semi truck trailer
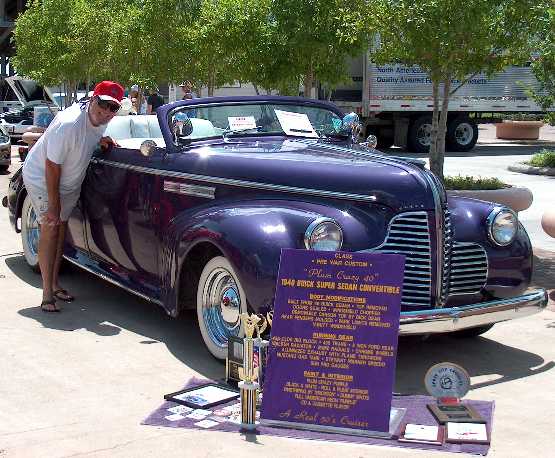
<point>395,103</point>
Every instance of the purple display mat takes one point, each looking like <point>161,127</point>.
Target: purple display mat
<point>417,412</point>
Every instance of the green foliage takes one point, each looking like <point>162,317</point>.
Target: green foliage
<point>471,183</point>
<point>544,65</point>
<point>545,158</point>
<point>316,37</point>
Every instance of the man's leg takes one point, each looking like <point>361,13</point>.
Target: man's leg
<point>48,243</point>
<point>58,259</point>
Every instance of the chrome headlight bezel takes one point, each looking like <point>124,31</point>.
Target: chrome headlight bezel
<point>314,230</point>
<point>494,218</point>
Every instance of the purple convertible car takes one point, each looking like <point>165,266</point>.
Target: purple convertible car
<point>194,207</point>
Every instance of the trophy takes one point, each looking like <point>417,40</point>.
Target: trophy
<point>248,373</point>
<point>448,383</point>
<point>234,359</point>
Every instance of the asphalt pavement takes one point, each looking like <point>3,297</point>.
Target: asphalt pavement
<point>80,382</point>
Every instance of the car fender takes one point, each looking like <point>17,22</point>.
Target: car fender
<point>251,235</point>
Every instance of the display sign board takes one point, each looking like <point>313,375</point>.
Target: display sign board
<point>334,342</point>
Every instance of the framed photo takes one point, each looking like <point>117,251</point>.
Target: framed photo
<point>469,433</point>
<point>203,396</point>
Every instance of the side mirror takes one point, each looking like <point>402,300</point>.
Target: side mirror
<point>181,126</point>
<point>370,143</point>
<point>351,122</point>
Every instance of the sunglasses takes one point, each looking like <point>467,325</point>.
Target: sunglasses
<point>105,105</point>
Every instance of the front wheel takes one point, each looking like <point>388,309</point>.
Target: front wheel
<point>220,301</point>
<point>30,233</point>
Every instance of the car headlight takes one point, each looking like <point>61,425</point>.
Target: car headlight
<point>502,225</point>
<point>323,234</point>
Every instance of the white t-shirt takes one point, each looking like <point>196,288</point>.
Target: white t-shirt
<point>69,141</point>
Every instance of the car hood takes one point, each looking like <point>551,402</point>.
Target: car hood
<point>310,167</point>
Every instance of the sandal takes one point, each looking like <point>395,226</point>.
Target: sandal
<point>62,295</point>
<point>51,302</point>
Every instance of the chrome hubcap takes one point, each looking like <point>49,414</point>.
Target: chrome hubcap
<point>464,133</point>
<point>221,306</point>
<point>33,231</point>
<point>424,135</point>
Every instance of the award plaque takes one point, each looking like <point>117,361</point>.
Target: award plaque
<point>448,383</point>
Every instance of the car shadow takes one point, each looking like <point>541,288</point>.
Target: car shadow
<point>479,356</point>
<point>105,310</point>
<point>544,274</point>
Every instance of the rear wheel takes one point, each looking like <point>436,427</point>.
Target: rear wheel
<point>220,302</point>
<point>30,233</point>
<point>462,134</point>
<point>420,135</point>
<point>472,332</point>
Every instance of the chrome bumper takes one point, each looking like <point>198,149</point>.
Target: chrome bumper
<point>471,316</point>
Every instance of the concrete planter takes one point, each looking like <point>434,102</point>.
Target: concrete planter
<point>517,198</point>
<point>518,130</point>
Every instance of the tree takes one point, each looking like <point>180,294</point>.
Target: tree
<point>318,36</point>
<point>544,65</point>
<point>452,42</point>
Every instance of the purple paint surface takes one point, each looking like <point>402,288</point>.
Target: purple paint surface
<point>334,339</point>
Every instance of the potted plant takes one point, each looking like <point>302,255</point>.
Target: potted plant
<point>489,189</point>
<point>519,126</point>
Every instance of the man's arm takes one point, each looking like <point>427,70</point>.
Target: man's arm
<point>53,172</point>
<point>149,109</point>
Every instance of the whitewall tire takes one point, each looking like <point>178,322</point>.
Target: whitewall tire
<point>30,233</point>
<point>220,301</point>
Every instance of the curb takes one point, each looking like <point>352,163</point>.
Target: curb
<point>531,170</point>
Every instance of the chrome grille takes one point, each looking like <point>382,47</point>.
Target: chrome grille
<point>469,268</point>
<point>409,234</point>
<point>447,252</point>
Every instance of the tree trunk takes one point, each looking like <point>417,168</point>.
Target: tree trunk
<point>439,125</point>
<point>308,81</point>
<point>433,154</point>
<point>443,125</point>
<point>256,89</point>
<point>211,83</point>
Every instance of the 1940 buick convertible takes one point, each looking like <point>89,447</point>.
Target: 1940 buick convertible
<point>194,207</point>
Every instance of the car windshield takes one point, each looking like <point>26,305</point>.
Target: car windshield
<point>254,119</point>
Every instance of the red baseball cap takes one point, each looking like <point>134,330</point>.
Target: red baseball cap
<point>109,90</point>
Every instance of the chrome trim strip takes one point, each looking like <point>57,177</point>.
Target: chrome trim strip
<point>240,183</point>
<point>189,189</point>
<point>471,316</point>
<point>440,301</point>
<point>114,282</point>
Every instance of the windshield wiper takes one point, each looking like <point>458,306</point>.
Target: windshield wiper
<point>228,132</point>
<point>332,135</point>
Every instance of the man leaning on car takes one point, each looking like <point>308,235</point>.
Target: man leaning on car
<point>54,171</point>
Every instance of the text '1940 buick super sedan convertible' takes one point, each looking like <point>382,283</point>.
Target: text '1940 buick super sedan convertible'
<point>193,209</point>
